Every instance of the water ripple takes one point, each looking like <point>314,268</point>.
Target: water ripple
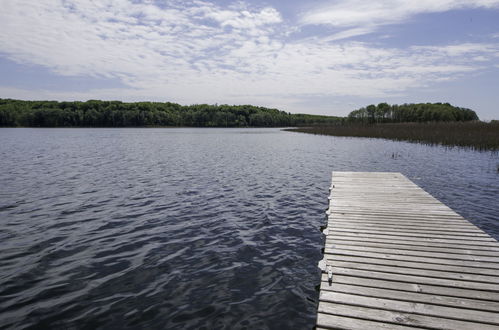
<point>190,228</point>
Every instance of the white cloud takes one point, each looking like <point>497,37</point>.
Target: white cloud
<point>464,49</point>
<point>345,34</point>
<point>197,52</point>
<point>245,19</point>
<point>367,15</point>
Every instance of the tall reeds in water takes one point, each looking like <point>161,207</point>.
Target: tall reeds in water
<point>476,135</point>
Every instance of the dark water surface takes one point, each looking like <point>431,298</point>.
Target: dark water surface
<point>190,228</point>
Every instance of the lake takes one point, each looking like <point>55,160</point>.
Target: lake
<point>191,228</point>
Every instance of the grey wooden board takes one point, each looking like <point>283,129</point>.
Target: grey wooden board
<point>411,307</point>
<point>473,249</point>
<point>333,246</point>
<point>417,233</point>
<point>329,321</point>
<point>422,259</point>
<point>401,284</point>
<point>401,318</point>
<point>349,223</point>
<point>418,279</point>
<point>410,247</point>
<point>455,271</point>
<point>399,217</point>
<point>458,302</point>
<point>419,227</point>
<point>401,259</point>
<point>420,238</point>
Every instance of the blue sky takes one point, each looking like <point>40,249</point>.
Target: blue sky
<point>322,57</point>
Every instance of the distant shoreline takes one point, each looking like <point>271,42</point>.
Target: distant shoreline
<point>96,113</point>
<point>136,127</point>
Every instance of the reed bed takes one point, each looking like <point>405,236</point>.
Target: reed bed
<point>475,135</point>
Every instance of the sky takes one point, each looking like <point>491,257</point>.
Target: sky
<point>318,56</point>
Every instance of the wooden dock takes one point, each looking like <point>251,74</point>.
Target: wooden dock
<point>400,259</point>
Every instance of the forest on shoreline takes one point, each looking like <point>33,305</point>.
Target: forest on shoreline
<point>411,113</point>
<point>95,113</point>
<point>428,123</point>
<point>433,123</point>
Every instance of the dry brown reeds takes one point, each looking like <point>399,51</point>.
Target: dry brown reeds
<point>476,134</point>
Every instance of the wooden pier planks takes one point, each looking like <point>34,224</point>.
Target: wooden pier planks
<point>401,259</point>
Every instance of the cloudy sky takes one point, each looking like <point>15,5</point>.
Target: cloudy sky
<point>317,56</point>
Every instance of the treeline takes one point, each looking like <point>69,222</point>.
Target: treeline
<point>421,112</point>
<point>95,113</point>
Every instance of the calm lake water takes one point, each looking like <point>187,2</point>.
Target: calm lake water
<point>190,228</point>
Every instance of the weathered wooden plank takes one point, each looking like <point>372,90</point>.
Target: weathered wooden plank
<point>435,299</point>
<point>402,214</point>
<point>404,226</point>
<point>433,260</point>
<point>397,268</point>
<point>329,321</point>
<point>470,237</point>
<point>456,242</point>
<point>405,207</point>
<point>472,247</point>
<point>401,218</point>
<point>411,307</point>
<point>413,265</point>
<point>418,279</point>
<point>458,256</point>
<point>401,318</point>
<point>441,232</point>
<point>366,222</point>
<point>402,210</point>
<point>391,205</point>
<point>410,286</point>
<point>410,247</point>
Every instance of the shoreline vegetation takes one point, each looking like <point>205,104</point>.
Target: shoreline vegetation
<point>429,123</point>
<point>475,135</point>
<point>95,113</point>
